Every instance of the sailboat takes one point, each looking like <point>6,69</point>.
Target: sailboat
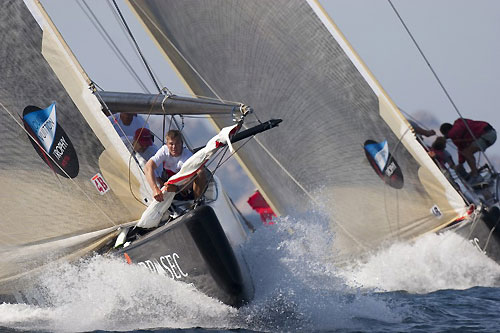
<point>344,145</point>
<point>71,186</point>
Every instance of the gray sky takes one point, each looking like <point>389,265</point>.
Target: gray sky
<point>460,38</point>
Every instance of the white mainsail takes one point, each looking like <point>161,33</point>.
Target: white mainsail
<point>288,60</point>
<point>285,58</point>
<point>68,180</point>
<point>66,185</point>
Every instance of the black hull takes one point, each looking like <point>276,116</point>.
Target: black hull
<point>193,249</point>
<point>485,233</point>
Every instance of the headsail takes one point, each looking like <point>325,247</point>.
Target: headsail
<point>288,60</point>
<point>64,170</point>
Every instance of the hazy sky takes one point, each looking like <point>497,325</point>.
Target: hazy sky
<point>460,38</point>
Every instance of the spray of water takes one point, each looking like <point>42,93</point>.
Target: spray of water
<point>432,262</point>
<point>104,293</point>
<point>297,287</point>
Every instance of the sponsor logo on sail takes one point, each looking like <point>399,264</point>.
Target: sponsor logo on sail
<point>167,265</point>
<point>50,141</point>
<point>100,184</point>
<point>384,163</point>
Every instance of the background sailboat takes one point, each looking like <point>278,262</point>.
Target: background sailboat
<point>334,106</point>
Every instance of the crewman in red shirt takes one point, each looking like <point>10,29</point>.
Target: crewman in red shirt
<point>470,136</point>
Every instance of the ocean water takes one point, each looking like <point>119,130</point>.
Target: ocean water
<point>440,283</point>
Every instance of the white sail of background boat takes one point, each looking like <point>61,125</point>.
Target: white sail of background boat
<point>344,146</point>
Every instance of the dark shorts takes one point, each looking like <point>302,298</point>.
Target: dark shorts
<point>486,140</point>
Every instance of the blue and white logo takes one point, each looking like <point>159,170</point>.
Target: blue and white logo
<point>43,123</point>
<point>379,153</point>
<point>50,140</point>
<point>384,163</point>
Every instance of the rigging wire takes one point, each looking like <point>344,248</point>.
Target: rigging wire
<point>491,168</point>
<point>438,80</point>
<point>218,97</point>
<point>137,46</point>
<point>148,67</point>
<point>129,179</point>
<point>146,64</point>
<point>185,59</point>
<point>124,30</point>
<point>112,45</point>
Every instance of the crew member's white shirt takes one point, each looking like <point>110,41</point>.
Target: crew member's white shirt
<point>170,163</point>
<point>137,122</point>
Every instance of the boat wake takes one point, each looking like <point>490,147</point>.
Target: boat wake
<point>297,287</point>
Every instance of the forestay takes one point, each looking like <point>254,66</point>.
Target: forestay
<point>288,60</point>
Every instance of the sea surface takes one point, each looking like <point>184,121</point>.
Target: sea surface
<point>439,283</point>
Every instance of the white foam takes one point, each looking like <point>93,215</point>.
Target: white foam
<point>297,287</point>
<point>108,294</point>
<point>432,262</point>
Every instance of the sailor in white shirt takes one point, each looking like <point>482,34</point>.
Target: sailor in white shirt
<point>126,124</point>
<point>171,157</point>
